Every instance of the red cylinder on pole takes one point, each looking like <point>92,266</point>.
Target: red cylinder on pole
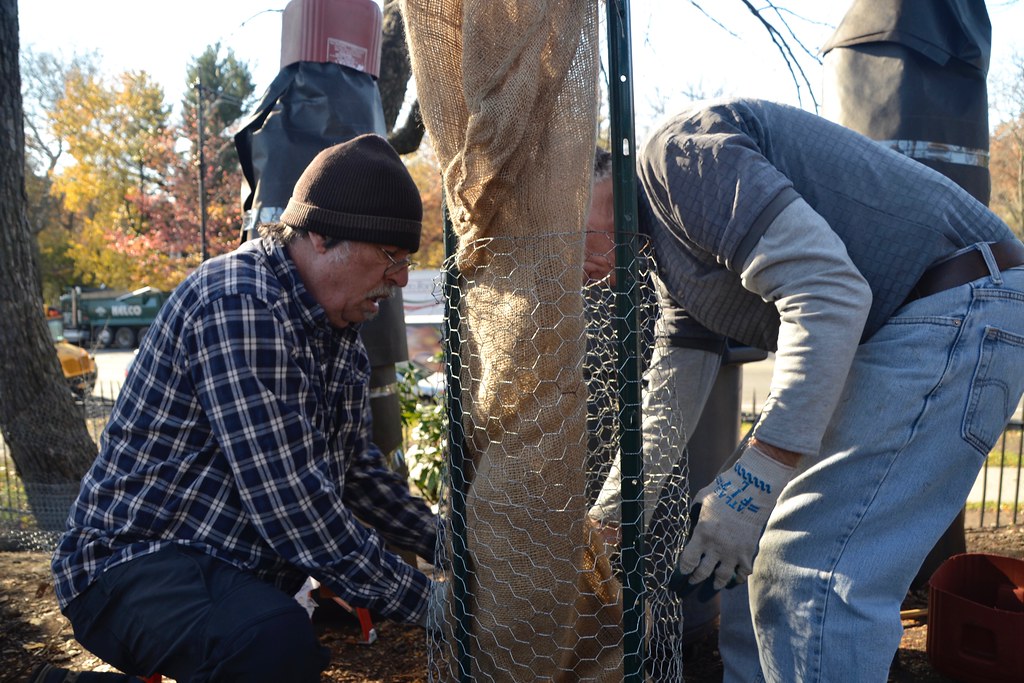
<point>346,32</point>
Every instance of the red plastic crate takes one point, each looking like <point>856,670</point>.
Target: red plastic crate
<point>976,618</point>
<point>346,32</point>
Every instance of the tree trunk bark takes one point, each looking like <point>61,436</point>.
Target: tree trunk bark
<point>44,433</point>
<point>395,67</point>
<point>395,74</point>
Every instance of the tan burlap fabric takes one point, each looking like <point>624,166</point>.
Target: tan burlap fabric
<point>508,93</point>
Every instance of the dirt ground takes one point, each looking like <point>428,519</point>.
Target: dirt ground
<point>33,630</point>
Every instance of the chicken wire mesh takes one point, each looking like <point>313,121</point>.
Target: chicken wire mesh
<point>527,589</point>
<point>33,513</point>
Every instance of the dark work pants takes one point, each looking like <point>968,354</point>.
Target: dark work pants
<point>186,615</point>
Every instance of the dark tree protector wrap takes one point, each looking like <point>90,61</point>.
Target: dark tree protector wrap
<point>912,73</point>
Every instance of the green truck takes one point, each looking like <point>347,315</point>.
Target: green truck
<point>105,317</point>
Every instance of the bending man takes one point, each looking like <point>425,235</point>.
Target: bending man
<point>894,303</point>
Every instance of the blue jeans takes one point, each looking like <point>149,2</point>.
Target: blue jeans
<point>186,615</point>
<point>926,399</point>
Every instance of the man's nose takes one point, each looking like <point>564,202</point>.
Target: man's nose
<point>399,279</point>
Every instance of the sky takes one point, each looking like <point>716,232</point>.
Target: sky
<point>678,50</point>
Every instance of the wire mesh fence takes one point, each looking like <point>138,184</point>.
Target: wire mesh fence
<point>512,572</point>
<point>20,523</point>
<point>996,500</point>
<point>535,402</point>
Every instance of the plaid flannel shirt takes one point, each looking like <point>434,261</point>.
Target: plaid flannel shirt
<point>242,431</point>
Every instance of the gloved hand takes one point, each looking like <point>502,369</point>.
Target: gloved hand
<point>609,531</point>
<point>734,510</point>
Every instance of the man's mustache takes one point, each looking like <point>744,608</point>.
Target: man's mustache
<point>383,292</point>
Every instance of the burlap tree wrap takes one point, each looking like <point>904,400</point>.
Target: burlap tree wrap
<point>508,94</point>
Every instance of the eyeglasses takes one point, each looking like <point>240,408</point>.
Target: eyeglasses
<point>396,266</point>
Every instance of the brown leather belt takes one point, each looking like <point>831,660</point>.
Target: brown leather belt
<point>966,267</point>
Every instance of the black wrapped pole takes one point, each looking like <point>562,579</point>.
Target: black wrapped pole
<point>912,75</point>
<point>309,107</point>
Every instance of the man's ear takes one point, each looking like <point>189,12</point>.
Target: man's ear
<point>319,242</point>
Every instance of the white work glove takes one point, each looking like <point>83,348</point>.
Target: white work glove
<point>433,617</point>
<point>734,510</point>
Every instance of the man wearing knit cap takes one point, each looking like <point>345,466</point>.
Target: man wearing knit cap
<point>238,457</point>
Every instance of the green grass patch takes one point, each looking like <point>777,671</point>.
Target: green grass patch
<point>1005,509</point>
<point>12,498</point>
<point>1007,452</point>
<point>11,487</point>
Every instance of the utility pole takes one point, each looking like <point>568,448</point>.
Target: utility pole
<point>202,166</point>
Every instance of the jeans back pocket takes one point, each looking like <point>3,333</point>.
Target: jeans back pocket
<point>996,388</point>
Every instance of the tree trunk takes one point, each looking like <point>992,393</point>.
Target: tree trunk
<point>407,139</point>
<point>45,435</point>
<point>395,73</point>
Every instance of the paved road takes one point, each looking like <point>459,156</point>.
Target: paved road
<point>110,369</point>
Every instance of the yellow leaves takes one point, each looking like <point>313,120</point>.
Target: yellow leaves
<point>118,135</point>
<point>123,260</point>
<point>92,255</point>
<point>426,172</point>
<point>113,133</point>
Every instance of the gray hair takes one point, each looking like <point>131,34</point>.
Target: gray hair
<point>284,234</point>
<point>280,233</point>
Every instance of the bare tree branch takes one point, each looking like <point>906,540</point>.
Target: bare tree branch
<point>786,50</point>
<point>712,19</point>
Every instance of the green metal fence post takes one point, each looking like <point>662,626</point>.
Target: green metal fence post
<point>456,451</point>
<point>627,306</point>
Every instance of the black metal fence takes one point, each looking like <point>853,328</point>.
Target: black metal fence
<point>998,490</point>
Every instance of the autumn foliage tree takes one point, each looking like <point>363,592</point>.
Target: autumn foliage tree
<point>116,183</point>
<point>121,181</point>
<point>1007,171</point>
<point>116,135</point>
<point>222,86</point>
<point>1006,149</point>
<point>44,79</point>
<point>426,172</point>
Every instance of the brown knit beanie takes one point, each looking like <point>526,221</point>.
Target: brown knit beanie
<point>360,191</point>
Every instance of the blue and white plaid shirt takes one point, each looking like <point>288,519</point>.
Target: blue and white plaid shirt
<point>242,431</point>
